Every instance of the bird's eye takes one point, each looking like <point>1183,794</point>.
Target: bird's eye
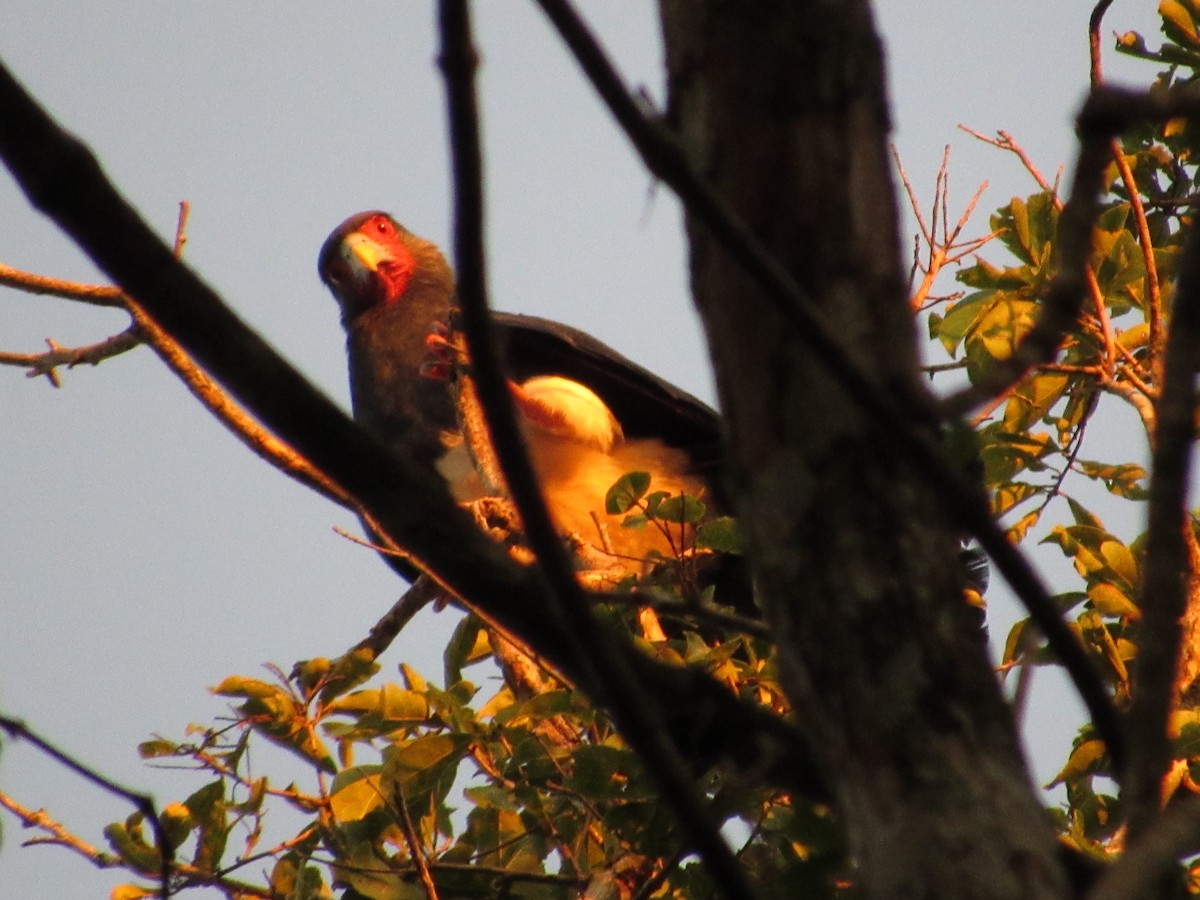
<point>383,226</point>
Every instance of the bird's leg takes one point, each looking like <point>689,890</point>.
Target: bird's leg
<point>445,352</point>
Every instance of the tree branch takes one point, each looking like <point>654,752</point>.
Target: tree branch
<point>47,363</point>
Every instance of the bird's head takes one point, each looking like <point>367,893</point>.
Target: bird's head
<point>371,261</point>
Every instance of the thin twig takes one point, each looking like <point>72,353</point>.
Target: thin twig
<point>92,294</point>
<point>1063,299</point>
<point>145,329</point>
<point>47,363</point>
<point>1094,49</point>
<point>59,835</point>
<point>415,851</point>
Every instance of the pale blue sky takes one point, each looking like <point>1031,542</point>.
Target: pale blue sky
<point>144,554</point>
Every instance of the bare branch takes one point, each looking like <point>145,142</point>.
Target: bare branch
<point>1062,301</point>
<point>415,851</point>
<point>93,294</point>
<point>59,835</point>
<point>1094,22</point>
<point>47,363</point>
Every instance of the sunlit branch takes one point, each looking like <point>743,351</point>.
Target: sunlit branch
<point>47,363</point>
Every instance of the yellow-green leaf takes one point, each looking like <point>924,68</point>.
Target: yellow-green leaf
<point>355,796</point>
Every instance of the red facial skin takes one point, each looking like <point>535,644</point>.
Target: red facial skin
<point>367,264</point>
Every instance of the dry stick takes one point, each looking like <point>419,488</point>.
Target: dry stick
<point>945,250</point>
<point>186,875</point>
<point>589,640</point>
<point>963,500</point>
<point>166,855</point>
<point>59,835</point>
<point>62,178</point>
<point>1097,70</point>
<point>260,441</point>
<point>94,294</point>
<point>47,363</point>
<point>415,850</point>
<point>1164,585</point>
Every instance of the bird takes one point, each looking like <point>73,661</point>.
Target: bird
<point>588,414</point>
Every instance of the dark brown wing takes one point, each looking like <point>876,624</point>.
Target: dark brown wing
<point>644,404</point>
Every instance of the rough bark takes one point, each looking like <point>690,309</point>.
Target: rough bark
<point>782,106</point>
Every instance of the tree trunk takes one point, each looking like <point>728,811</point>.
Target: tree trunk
<point>781,105</point>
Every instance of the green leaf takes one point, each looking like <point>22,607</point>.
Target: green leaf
<point>1178,22</point>
<point>1005,454</point>
<point>1084,516</point>
<point>1087,758</point>
<point>176,821</point>
<point>356,792</point>
<point>131,892</point>
<point>210,815</point>
<point>1006,496</point>
<point>1028,227</point>
<point>1033,399</point>
<point>721,535</point>
<point>424,765</point>
<point>1112,601</point>
<point>1122,479</point>
<point>129,842</point>
<point>347,673</point>
<point>601,773</point>
<point>626,492</point>
<point>681,509</point>
<point>1187,744</point>
<point>238,686</point>
<point>960,320</point>
<point>157,748</point>
<point>468,644</point>
<point>389,705</point>
<point>294,879</point>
